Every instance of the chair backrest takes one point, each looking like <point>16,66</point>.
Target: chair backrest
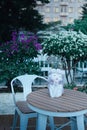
<point>26,81</point>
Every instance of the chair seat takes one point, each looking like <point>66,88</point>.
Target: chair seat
<point>23,107</point>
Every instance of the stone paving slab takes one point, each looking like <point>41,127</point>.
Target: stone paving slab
<point>7,104</point>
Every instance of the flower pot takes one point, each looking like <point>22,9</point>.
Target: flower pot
<point>55,82</point>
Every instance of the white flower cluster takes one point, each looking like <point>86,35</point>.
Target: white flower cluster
<point>66,43</point>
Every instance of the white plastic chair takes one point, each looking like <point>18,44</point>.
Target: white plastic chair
<point>21,107</point>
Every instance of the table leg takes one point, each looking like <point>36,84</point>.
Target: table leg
<point>51,122</point>
<point>41,122</point>
<point>80,122</point>
<point>73,123</point>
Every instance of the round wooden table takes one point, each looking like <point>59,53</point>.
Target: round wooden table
<point>71,104</point>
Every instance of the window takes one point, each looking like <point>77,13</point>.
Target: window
<point>71,20</point>
<point>70,1</point>
<point>80,10</point>
<point>79,1</point>
<point>42,13</point>
<point>55,19</point>
<point>63,9</point>
<point>63,20</point>
<point>47,19</point>
<point>70,9</point>
<point>47,9</point>
<point>56,0</point>
<point>56,9</point>
<point>38,2</point>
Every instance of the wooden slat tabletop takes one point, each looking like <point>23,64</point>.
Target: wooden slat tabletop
<point>70,101</point>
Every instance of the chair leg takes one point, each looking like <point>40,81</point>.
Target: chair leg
<point>15,120</point>
<point>23,122</point>
<point>51,122</point>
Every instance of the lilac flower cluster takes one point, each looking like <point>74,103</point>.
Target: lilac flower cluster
<point>26,44</point>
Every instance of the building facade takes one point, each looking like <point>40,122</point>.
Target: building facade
<point>61,10</point>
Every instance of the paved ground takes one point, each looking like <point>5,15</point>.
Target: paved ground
<point>6,103</point>
<point>6,123</point>
<point>7,120</point>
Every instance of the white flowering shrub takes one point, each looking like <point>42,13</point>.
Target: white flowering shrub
<point>69,45</point>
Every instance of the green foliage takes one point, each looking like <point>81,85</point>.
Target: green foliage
<point>80,24</point>
<point>16,14</point>
<point>78,88</point>
<point>16,57</point>
<point>11,69</point>
<point>53,26</point>
<point>70,86</point>
<point>83,88</point>
<point>84,11</point>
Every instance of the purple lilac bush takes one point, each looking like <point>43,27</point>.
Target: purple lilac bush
<point>16,56</point>
<point>25,45</point>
